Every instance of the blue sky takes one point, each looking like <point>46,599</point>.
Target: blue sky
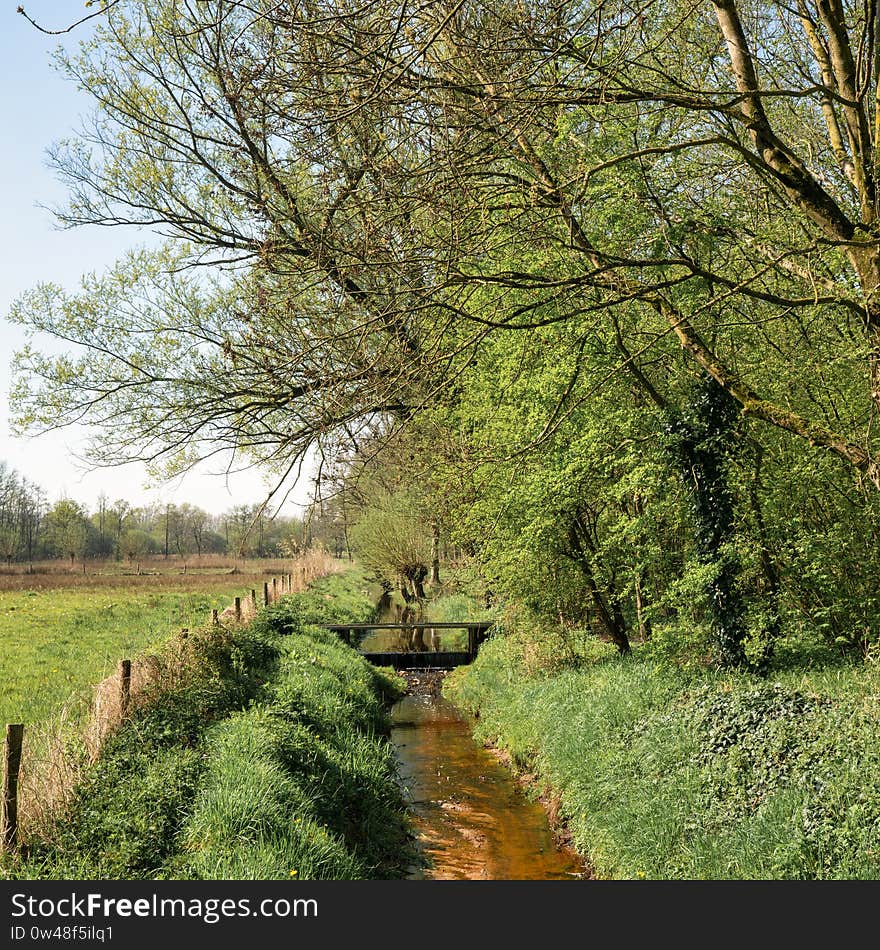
<point>37,108</point>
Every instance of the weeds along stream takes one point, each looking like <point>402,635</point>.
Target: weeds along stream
<point>472,819</point>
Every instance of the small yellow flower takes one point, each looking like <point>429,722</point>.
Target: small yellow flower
<point>294,872</point>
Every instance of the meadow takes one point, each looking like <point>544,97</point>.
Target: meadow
<point>62,631</point>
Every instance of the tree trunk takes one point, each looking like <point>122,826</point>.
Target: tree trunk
<point>643,621</point>
<point>701,441</point>
<point>435,553</point>
<point>418,582</point>
<point>611,619</point>
<point>768,568</point>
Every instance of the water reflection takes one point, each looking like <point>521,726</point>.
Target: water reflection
<point>412,640</point>
<point>473,821</point>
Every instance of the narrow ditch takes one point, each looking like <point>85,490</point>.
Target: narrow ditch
<point>473,821</point>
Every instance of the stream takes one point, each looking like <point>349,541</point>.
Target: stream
<point>472,819</point>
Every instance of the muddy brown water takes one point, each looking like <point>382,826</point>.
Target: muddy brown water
<point>472,819</point>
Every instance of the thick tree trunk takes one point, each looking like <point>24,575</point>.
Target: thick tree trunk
<point>418,582</point>
<point>701,442</point>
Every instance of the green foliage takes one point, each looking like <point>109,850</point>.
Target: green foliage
<point>302,784</point>
<point>828,547</point>
<point>67,529</point>
<point>125,819</point>
<point>348,596</point>
<point>127,811</point>
<point>700,438</point>
<point>449,608</point>
<point>574,521</point>
<point>578,283</point>
<point>392,536</point>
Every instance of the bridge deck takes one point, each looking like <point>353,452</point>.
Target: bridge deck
<point>416,660</point>
<point>483,625</point>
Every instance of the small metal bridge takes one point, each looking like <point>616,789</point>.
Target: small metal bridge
<point>417,645</point>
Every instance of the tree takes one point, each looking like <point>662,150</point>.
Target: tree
<point>397,205</point>
<point>701,439</point>
<point>392,197</point>
<point>393,538</point>
<point>9,543</point>
<point>135,543</point>
<point>67,529</point>
<point>101,521</point>
<point>118,513</point>
<point>20,513</point>
<point>195,524</point>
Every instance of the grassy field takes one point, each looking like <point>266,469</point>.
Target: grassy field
<point>56,643</point>
<point>62,632</point>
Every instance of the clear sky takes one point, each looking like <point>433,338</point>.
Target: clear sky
<point>37,108</point>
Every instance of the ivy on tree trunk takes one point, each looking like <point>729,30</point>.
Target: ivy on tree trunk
<point>700,438</point>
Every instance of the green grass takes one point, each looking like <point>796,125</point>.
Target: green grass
<point>302,785</point>
<point>269,761</point>
<point>348,596</point>
<point>126,812</point>
<point>667,775</point>
<point>54,644</point>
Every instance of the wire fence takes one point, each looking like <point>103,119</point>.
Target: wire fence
<point>43,762</point>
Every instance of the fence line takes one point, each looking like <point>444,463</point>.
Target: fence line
<point>40,769</point>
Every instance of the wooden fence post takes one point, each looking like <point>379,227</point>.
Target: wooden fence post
<point>124,687</point>
<point>274,589</point>
<point>254,599</point>
<point>238,609</point>
<point>290,583</point>
<point>266,593</point>
<point>9,804</point>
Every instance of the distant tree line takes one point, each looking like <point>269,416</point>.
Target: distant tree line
<point>32,528</point>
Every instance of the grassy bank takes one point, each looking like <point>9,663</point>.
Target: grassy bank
<point>267,760</point>
<point>665,774</point>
